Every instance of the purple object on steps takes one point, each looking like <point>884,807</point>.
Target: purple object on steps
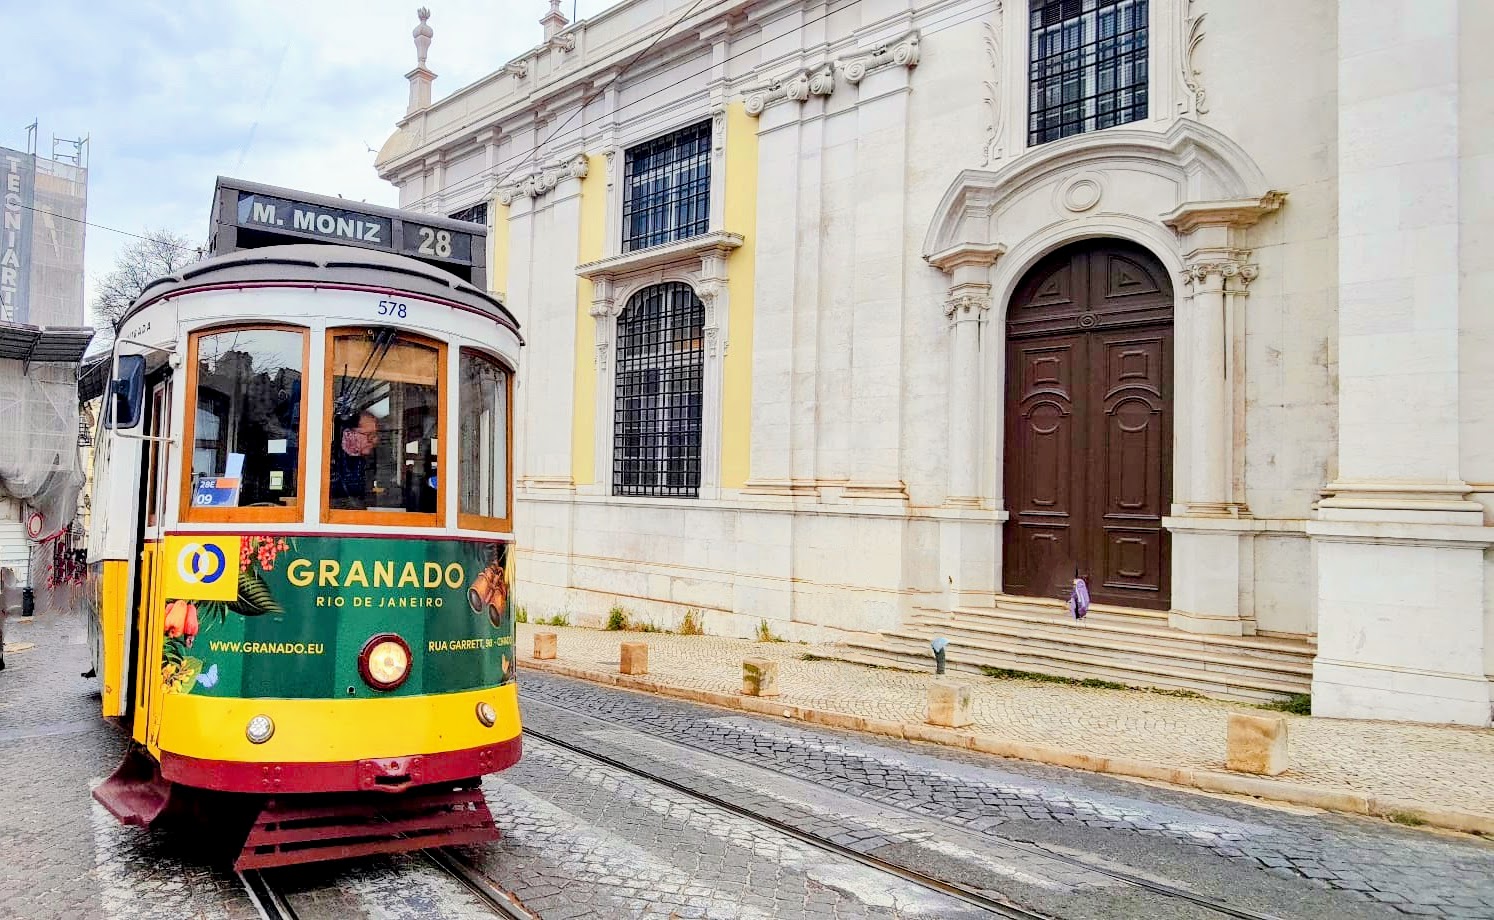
<point>1079,600</point>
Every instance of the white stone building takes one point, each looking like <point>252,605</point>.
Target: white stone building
<point>876,320</point>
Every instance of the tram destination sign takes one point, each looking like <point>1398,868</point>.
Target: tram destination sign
<point>313,220</point>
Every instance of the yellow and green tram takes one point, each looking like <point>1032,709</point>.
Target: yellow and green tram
<point>303,531</point>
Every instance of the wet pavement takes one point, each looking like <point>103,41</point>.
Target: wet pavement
<point>586,840</point>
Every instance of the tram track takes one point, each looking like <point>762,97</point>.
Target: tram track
<point>953,889</point>
<point>273,905</point>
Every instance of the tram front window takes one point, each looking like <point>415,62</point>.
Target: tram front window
<point>384,444</point>
<point>245,420</point>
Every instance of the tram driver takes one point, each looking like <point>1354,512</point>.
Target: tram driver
<point>352,464</point>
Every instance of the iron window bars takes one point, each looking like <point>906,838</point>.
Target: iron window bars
<point>1088,67</point>
<point>477,213</point>
<point>667,188</point>
<point>656,422</point>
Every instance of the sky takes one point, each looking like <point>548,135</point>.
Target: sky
<point>174,94</point>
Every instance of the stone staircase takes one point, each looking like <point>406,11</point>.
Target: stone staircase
<point>1124,645</point>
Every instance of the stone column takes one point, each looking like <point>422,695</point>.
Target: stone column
<point>1218,288</point>
<point>969,531</point>
<point>1399,547</point>
<point>968,307</point>
<point>1210,519</point>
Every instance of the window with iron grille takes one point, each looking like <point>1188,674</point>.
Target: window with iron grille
<point>477,214</point>
<point>1089,67</point>
<point>667,188</point>
<point>657,399</point>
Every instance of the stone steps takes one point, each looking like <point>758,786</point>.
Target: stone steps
<point>1115,645</point>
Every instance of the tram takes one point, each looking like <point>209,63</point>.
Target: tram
<point>302,540</point>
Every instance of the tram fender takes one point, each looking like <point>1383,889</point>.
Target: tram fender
<point>135,793</point>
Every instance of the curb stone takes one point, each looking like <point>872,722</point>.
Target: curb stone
<point>1353,803</point>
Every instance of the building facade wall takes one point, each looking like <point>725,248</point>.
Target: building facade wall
<point>874,204</point>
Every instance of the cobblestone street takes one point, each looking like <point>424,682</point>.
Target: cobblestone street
<point>1432,766</point>
<point>586,840</point>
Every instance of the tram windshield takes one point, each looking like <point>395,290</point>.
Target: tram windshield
<point>245,405</point>
<point>384,450</point>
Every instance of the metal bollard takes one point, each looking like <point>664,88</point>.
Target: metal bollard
<point>939,645</point>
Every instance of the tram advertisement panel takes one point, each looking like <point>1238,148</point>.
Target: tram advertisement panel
<point>287,616</point>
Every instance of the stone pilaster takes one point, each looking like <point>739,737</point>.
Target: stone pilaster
<point>1398,546</point>
<point>1211,551</point>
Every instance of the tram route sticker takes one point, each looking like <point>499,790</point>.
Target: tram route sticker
<point>301,609</point>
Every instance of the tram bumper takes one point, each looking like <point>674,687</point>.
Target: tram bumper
<point>379,774</point>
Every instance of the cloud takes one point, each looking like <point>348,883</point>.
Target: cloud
<point>290,93</point>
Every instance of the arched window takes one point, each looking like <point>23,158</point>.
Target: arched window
<point>657,399</point>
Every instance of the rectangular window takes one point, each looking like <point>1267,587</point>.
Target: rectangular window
<point>658,393</point>
<point>483,452</point>
<point>1088,67</point>
<point>384,407</point>
<point>667,188</point>
<point>245,405</point>
<point>477,214</point>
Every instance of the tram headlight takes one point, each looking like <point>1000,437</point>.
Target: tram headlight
<point>259,729</point>
<point>384,662</point>
<point>486,714</point>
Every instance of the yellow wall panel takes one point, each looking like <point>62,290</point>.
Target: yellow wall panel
<point>593,237</point>
<point>740,216</point>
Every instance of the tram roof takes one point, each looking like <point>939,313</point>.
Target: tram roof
<point>327,264</point>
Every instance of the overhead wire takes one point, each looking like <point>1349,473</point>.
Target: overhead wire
<point>462,186</point>
<point>958,20</point>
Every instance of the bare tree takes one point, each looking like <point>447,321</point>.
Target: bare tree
<point>156,253</point>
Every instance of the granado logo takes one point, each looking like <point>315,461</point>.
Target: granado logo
<point>329,573</point>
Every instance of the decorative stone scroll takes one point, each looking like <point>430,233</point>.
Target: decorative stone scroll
<point>902,51</point>
<point>541,182</point>
<point>1192,34</point>
<point>1233,269</point>
<point>797,87</point>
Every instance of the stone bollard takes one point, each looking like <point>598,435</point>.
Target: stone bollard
<point>1257,744</point>
<point>544,646</point>
<point>634,658</point>
<point>949,704</point>
<point>759,677</point>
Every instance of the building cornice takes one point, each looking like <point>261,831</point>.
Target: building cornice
<point>1233,212</point>
<point>642,260</point>
<point>977,255</point>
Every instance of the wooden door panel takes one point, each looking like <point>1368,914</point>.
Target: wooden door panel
<point>1042,453</point>
<point>1131,464</point>
<point>1088,468</point>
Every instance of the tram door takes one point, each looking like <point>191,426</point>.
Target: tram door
<point>151,527</point>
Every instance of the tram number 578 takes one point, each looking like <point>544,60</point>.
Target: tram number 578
<point>435,242</point>
<point>393,308</point>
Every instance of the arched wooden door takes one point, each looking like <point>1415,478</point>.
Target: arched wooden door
<point>1088,464</point>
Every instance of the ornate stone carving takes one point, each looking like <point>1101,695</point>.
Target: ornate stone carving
<point>718,131</point>
<point>1233,268</point>
<point>967,305</point>
<point>995,105</point>
<point>902,51</point>
<point>422,35</point>
<point>796,87</point>
<point>1081,192</point>
<point>518,68</point>
<point>822,81</point>
<point>565,41</point>
<point>544,180</point>
<point>1192,34</point>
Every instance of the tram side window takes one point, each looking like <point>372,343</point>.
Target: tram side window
<point>482,435</point>
<point>385,423</point>
<point>245,419</point>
